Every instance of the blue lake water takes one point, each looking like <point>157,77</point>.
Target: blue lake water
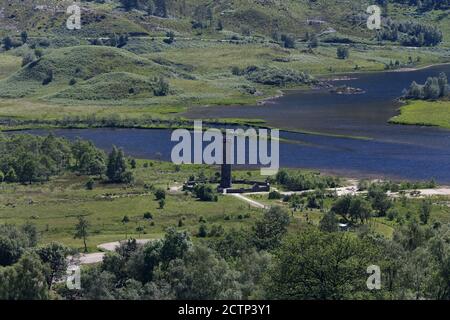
<point>393,151</point>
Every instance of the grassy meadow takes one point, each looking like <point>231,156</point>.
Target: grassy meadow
<point>428,113</point>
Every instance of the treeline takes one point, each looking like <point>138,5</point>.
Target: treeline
<point>28,159</point>
<point>262,261</point>
<point>433,89</point>
<point>152,7</point>
<point>410,33</point>
<point>422,5</point>
<point>28,271</point>
<point>272,76</point>
<point>305,181</point>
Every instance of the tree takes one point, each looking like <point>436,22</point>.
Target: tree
<point>343,52</point>
<point>13,243</point>
<point>431,89</point>
<point>162,203</point>
<point>170,37</point>
<point>7,43</point>
<point>161,8</point>
<point>88,159</point>
<point>54,256</point>
<point>160,194</point>
<point>81,230</point>
<point>316,265</point>
<point>48,78</point>
<point>425,211</point>
<point>329,222</point>
<point>24,37</point>
<point>313,42</point>
<point>90,184</point>
<point>176,244</point>
<point>160,87</point>
<point>201,275</point>
<point>11,176</point>
<point>25,280</point>
<point>202,231</point>
<point>415,91</point>
<point>443,84</point>
<point>28,58</point>
<point>379,199</point>
<point>129,4</point>
<point>269,230</point>
<point>288,41</point>
<point>117,167</point>
<point>359,209</point>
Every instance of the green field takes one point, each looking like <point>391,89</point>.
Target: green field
<point>428,113</point>
<point>55,206</point>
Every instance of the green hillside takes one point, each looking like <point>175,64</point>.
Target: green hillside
<point>224,52</point>
<point>78,63</point>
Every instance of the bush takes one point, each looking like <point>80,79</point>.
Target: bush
<point>160,194</point>
<point>205,193</point>
<point>148,216</point>
<point>343,52</point>
<point>90,184</point>
<point>274,195</point>
<point>48,79</point>
<point>160,87</point>
<point>275,76</point>
<point>28,58</point>
<point>216,231</point>
<point>202,231</point>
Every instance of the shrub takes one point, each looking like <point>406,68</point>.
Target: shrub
<point>90,184</point>
<point>274,195</point>
<point>148,216</point>
<point>160,87</point>
<point>343,52</point>
<point>160,194</point>
<point>202,231</point>
<point>205,193</point>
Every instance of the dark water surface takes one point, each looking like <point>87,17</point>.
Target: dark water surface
<point>403,152</point>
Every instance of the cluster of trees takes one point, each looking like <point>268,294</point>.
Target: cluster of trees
<point>272,76</point>
<point>434,88</point>
<point>305,181</point>
<point>263,261</point>
<point>205,192</point>
<point>410,33</point>
<point>423,5</point>
<point>343,52</point>
<point>9,43</point>
<point>117,168</point>
<point>152,7</point>
<point>28,271</point>
<point>228,267</point>
<point>28,159</point>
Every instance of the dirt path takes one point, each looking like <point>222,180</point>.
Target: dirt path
<point>96,257</point>
<point>252,202</point>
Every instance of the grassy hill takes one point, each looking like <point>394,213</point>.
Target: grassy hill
<point>79,63</point>
<point>211,40</point>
